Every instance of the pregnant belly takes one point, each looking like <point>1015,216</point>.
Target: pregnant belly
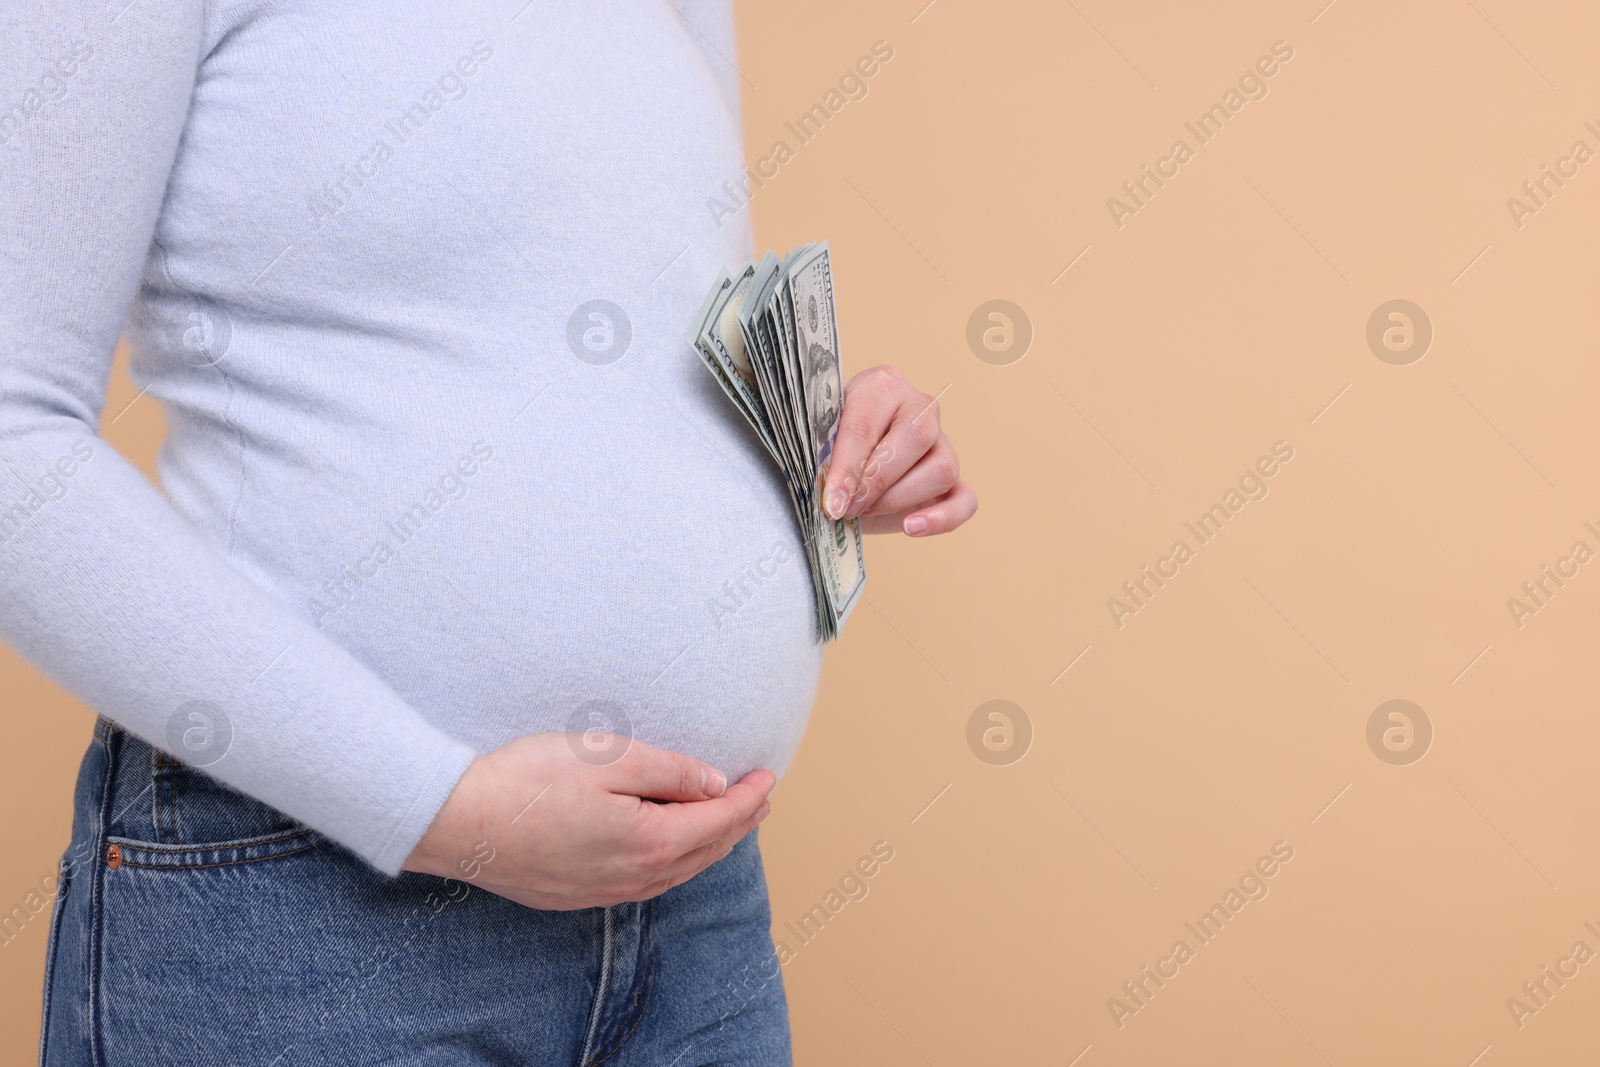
<point>659,592</point>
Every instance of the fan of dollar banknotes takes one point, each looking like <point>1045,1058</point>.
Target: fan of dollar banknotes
<point>770,337</point>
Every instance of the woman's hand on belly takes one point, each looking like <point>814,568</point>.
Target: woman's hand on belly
<point>549,822</point>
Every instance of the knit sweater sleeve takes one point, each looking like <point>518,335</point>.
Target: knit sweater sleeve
<point>103,585</point>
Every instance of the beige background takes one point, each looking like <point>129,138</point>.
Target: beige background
<point>1231,712</point>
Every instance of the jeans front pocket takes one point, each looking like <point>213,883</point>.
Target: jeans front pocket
<point>126,852</point>
<point>293,952</point>
<point>161,804</point>
<point>202,947</point>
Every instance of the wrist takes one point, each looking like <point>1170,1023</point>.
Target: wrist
<point>433,853</point>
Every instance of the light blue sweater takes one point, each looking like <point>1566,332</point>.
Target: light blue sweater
<point>422,494</point>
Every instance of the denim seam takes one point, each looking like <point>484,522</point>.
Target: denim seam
<point>222,863</point>
<point>96,902</point>
<point>602,986</point>
<point>63,874</point>
<point>165,848</point>
<point>166,789</point>
<point>638,1017</point>
<point>646,985</point>
<point>164,807</point>
<point>268,844</point>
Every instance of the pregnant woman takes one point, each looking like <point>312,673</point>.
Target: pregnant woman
<point>362,788</point>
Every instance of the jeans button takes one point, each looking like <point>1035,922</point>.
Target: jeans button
<point>113,856</point>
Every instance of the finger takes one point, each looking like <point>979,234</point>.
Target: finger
<point>912,434</point>
<point>883,524</point>
<point>530,898</point>
<point>955,508</point>
<point>682,828</point>
<point>647,771</point>
<point>930,478</point>
<point>692,863</point>
<point>942,515</point>
<point>870,401</point>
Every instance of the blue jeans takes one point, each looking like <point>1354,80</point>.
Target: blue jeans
<point>196,926</point>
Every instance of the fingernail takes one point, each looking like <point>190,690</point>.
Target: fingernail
<point>837,500</point>
<point>915,525</point>
<point>713,783</point>
<point>763,810</point>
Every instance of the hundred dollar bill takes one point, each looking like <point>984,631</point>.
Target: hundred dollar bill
<point>721,346</point>
<point>699,338</point>
<point>769,334</point>
<point>816,337</point>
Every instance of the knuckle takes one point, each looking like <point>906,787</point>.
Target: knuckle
<point>646,851</point>
<point>658,855</point>
<point>882,375</point>
<point>884,453</point>
<point>630,763</point>
<point>856,432</point>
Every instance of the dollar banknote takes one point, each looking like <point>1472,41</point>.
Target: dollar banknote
<point>769,335</point>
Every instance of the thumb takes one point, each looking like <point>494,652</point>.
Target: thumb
<point>646,771</point>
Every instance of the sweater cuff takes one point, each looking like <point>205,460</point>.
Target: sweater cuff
<point>449,764</point>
